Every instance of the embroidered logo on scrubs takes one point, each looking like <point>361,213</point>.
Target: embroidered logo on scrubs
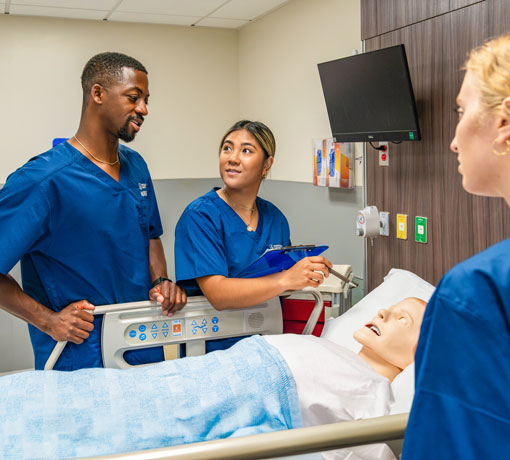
<point>143,189</point>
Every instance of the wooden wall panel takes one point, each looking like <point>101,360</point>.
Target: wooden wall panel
<point>499,17</point>
<point>368,19</point>
<point>422,179</point>
<point>410,183</point>
<point>382,16</point>
<point>456,4</point>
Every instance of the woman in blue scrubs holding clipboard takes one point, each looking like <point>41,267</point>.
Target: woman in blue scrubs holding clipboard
<point>227,229</point>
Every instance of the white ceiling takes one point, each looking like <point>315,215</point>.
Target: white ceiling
<point>230,14</point>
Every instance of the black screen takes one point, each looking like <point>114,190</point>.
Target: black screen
<point>370,97</point>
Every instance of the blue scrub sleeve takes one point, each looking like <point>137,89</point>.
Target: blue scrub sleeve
<point>461,406</point>
<point>199,248</point>
<point>155,227</point>
<point>24,219</point>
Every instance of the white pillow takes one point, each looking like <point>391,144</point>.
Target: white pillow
<point>398,284</point>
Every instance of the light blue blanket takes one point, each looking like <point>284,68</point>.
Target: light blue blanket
<point>245,390</point>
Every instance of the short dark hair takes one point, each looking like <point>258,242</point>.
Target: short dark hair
<point>106,69</point>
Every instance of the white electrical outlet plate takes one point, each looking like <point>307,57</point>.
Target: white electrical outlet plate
<point>384,156</point>
<point>384,223</point>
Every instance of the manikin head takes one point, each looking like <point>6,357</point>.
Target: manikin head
<point>115,93</point>
<point>389,340</point>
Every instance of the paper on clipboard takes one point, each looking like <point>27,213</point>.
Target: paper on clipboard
<point>275,260</point>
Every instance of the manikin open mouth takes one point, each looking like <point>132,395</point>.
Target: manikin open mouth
<point>374,328</point>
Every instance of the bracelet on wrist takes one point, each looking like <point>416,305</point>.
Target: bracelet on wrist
<point>160,280</point>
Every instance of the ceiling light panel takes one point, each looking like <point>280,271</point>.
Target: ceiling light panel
<point>103,5</point>
<point>75,13</point>
<point>153,18</point>
<point>222,23</point>
<point>248,10</point>
<point>171,7</point>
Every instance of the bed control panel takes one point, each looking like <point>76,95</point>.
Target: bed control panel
<point>194,325</point>
<point>174,330</point>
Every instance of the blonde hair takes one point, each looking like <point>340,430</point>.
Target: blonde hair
<point>259,131</point>
<point>490,64</point>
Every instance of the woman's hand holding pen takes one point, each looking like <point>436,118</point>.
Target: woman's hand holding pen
<point>309,271</point>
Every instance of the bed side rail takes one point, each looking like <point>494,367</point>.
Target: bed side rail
<point>282,443</point>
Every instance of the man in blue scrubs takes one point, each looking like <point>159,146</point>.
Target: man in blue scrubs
<point>83,219</point>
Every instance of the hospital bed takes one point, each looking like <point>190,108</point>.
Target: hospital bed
<point>136,325</point>
<point>398,284</point>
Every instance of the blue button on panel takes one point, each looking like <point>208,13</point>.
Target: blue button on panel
<point>214,320</point>
<point>154,326</point>
<point>215,329</point>
<point>132,333</point>
<point>142,327</point>
<point>143,337</point>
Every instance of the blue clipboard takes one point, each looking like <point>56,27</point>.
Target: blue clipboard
<point>282,258</point>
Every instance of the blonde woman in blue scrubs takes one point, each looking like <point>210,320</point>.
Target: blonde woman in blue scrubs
<point>224,231</point>
<point>461,407</point>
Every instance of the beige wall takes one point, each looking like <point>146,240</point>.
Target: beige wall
<point>193,76</point>
<point>279,81</point>
<point>201,80</point>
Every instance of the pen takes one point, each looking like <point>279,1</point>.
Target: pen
<point>352,284</point>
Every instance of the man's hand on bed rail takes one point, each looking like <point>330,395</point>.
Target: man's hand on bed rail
<point>73,323</point>
<point>171,297</point>
<point>309,271</point>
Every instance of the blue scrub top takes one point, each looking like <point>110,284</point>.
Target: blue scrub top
<point>461,408</point>
<point>211,239</point>
<point>80,235</point>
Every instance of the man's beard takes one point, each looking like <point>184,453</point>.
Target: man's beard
<point>124,133</point>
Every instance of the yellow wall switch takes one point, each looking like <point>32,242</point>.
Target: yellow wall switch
<point>402,226</point>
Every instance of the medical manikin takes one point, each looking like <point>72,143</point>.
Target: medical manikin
<point>259,385</point>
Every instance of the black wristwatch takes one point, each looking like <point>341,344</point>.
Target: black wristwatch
<point>160,280</point>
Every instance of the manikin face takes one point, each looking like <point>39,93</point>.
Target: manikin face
<point>125,104</point>
<point>476,131</point>
<point>394,332</point>
<point>242,160</point>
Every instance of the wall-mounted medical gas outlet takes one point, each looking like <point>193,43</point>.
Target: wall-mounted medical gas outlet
<point>421,229</point>
<point>384,157</point>
<point>367,222</point>
<point>402,226</point>
<point>384,223</point>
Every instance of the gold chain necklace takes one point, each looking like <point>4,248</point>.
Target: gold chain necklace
<point>234,205</point>
<point>97,159</point>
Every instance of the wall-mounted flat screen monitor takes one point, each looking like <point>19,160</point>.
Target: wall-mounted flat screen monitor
<point>370,97</point>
